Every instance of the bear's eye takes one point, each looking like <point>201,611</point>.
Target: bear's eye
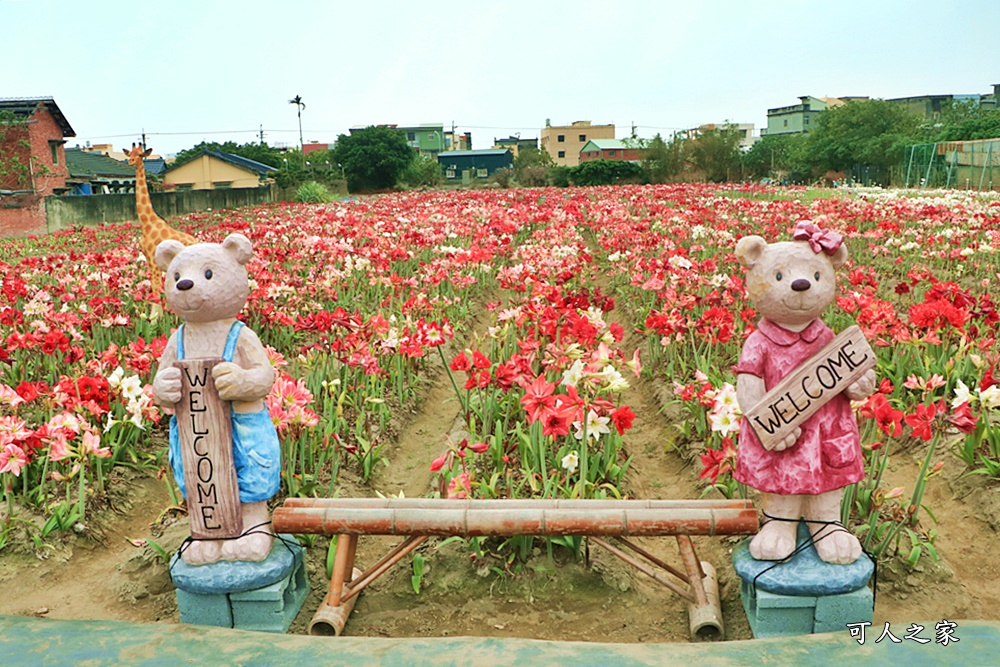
<point>208,274</point>
<point>177,276</point>
<point>816,275</point>
<point>778,276</point>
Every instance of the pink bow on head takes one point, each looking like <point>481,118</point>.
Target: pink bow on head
<point>820,240</point>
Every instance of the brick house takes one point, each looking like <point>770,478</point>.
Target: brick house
<point>32,161</point>
<point>612,149</point>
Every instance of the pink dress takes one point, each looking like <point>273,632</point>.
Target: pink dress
<point>827,455</point>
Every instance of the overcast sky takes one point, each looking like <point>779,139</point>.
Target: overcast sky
<point>186,71</point>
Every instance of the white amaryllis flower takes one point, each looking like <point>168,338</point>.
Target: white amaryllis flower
<point>573,375</point>
<point>116,376</point>
<point>613,380</point>
<point>962,395</point>
<point>990,397</point>
<point>725,399</point>
<point>131,387</point>
<point>724,422</point>
<point>570,462</point>
<point>596,426</point>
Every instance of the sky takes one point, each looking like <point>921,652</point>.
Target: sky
<point>187,71</point>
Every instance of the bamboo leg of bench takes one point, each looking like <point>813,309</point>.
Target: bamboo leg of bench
<point>331,617</point>
<point>705,613</point>
<point>346,545</point>
<point>387,561</point>
<point>653,559</point>
<point>644,569</point>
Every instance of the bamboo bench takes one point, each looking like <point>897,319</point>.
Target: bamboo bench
<point>417,519</point>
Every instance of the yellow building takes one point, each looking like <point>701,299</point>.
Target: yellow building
<point>215,170</point>
<point>564,142</point>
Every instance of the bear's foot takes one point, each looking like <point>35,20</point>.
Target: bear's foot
<point>775,541</point>
<point>835,544</point>
<point>254,546</point>
<point>202,552</point>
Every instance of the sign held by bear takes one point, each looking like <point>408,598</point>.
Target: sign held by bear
<point>800,394</point>
<point>204,430</point>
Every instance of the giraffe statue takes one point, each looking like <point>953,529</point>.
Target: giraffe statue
<point>154,229</point>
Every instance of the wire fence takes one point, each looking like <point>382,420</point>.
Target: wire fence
<point>964,165</point>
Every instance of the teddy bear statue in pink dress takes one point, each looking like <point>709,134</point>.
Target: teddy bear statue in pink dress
<point>802,476</point>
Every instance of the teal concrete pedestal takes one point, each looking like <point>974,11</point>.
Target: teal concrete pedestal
<point>804,595</point>
<point>264,596</point>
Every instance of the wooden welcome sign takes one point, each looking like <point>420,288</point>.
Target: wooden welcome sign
<point>817,380</point>
<point>205,429</point>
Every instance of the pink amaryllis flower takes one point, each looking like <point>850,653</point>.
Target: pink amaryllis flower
<point>13,459</point>
<point>537,397</point>
<point>92,445</point>
<point>459,487</point>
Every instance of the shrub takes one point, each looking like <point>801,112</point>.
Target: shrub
<point>312,192</point>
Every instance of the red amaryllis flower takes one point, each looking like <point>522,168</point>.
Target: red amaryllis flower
<point>963,419</point>
<point>460,363</point>
<point>555,423</point>
<point>537,397</point>
<point>886,418</point>
<point>921,421</point>
<point>439,462</point>
<point>622,418</point>
<point>718,462</point>
<point>479,360</point>
<point>988,380</point>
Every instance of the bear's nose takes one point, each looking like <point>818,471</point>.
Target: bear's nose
<point>187,284</point>
<point>799,284</point>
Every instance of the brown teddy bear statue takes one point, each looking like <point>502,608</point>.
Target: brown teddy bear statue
<point>802,475</point>
<point>206,285</point>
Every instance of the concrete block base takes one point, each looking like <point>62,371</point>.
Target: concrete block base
<point>266,608</point>
<point>776,615</point>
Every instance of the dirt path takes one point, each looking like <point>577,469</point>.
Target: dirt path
<point>83,579</point>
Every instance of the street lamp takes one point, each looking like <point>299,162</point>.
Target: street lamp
<point>297,101</point>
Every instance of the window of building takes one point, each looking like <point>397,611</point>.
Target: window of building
<point>222,185</point>
<point>583,137</point>
<point>411,136</point>
<point>449,173</point>
<point>561,138</point>
<point>807,120</point>
<point>786,122</point>
<point>611,153</point>
<point>562,153</point>
<point>54,146</point>
<point>184,187</point>
<point>481,173</point>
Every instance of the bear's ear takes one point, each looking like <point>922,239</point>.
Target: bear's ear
<point>839,258</point>
<point>749,250</point>
<point>239,246</point>
<point>166,251</point>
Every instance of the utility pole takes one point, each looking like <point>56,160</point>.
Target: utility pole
<point>633,129</point>
<point>297,101</point>
<point>261,133</point>
<point>143,138</point>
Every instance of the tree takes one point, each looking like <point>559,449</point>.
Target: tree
<point>257,152</point>
<point>605,172</point>
<point>778,156</point>
<point>424,170</point>
<point>871,133</point>
<point>663,160</point>
<point>373,158</point>
<point>967,121</point>
<point>531,167</point>
<point>716,152</point>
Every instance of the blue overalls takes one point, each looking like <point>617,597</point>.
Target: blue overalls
<point>256,450</point>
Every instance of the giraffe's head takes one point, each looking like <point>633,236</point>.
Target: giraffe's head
<point>136,155</point>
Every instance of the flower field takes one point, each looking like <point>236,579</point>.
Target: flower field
<point>552,326</point>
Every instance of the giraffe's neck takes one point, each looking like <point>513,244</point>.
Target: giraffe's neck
<point>143,206</point>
